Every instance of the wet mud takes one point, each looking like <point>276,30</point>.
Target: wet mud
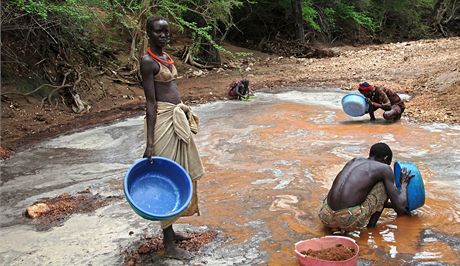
<point>55,211</point>
<point>150,249</point>
<point>336,253</point>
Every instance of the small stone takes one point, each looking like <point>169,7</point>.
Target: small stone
<point>198,73</point>
<point>37,210</point>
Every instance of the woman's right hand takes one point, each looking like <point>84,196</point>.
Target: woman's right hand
<point>148,153</point>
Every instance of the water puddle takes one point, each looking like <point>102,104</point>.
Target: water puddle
<point>269,164</point>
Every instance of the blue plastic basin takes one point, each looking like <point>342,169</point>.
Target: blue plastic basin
<point>157,191</point>
<point>415,189</point>
<point>354,104</point>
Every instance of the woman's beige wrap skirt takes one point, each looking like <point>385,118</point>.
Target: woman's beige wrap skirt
<point>173,139</point>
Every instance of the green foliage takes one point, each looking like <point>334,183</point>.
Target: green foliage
<point>309,14</point>
<point>330,17</point>
<point>402,18</point>
<point>38,33</point>
<point>79,22</point>
<point>64,22</point>
<point>188,14</point>
<point>244,54</point>
<point>339,19</point>
<point>199,34</point>
<point>207,20</point>
<point>202,18</point>
<point>71,8</point>
<point>348,12</point>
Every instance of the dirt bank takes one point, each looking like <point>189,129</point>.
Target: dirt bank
<point>428,70</point>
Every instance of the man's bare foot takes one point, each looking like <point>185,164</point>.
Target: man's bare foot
<point>337,231</point>
<point>371,225</point>
<point>373,220</point>
<point>175,252</point>
<point>181,237</point>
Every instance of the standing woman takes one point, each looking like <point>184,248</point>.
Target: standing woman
<point>169,123</point>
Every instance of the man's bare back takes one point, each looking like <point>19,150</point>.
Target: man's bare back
<point>353,183</point>
<point>361,190</point>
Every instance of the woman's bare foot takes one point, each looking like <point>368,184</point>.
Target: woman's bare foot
<point>172,251</point>
<point>181,237</point>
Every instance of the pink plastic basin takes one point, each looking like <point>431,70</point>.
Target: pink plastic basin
<point>323,243</point>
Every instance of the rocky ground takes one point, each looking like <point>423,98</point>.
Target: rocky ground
<point>428,70</point>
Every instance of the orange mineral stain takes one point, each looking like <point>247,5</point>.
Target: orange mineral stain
<point>275,168</point>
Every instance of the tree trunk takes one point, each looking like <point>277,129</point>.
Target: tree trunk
<point>446,13</point>
<point>298,19</point>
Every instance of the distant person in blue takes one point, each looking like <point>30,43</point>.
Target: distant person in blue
<point>384,98</point>
<point>361,191</point>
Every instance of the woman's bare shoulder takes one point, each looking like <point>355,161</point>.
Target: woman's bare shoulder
<point>149,64</point>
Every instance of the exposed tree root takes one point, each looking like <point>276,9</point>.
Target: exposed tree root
<point>188,59</point>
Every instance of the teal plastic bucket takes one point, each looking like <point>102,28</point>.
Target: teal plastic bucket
<point>354,104</point>
<point>415,189</point>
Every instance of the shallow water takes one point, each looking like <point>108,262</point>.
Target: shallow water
<point>269,164</point>
<point>282,152</point>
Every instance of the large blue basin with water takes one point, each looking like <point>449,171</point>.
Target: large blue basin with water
<point>354,104</point>
<point>415,189</point>
<point>158,191</point>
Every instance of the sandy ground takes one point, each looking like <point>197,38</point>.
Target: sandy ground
<point>428,70</point>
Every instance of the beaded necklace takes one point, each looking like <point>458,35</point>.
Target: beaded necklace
<point>169,62</point>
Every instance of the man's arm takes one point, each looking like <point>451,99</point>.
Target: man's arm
<point>371,113</point>
<point>371,109</point>
<point>383,100</point>
<point>398,199</point>
<point>148,68</point>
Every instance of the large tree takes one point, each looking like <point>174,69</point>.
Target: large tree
<point>298,20</point>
